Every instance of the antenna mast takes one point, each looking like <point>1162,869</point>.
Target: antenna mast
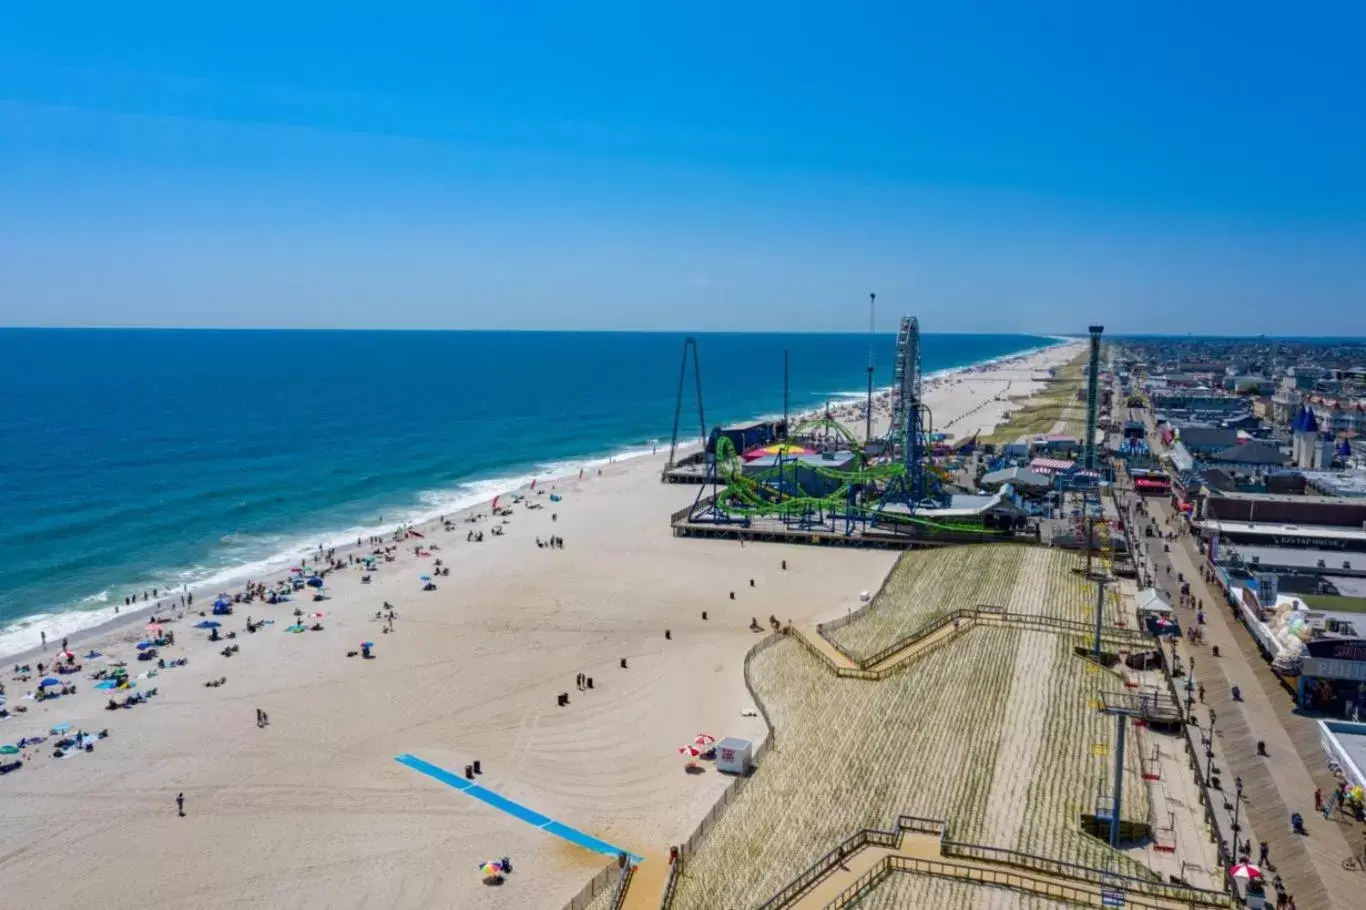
<point>868,412</point>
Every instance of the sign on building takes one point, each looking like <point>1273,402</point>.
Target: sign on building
<point>1109,897</point>
<point>1268,589</point>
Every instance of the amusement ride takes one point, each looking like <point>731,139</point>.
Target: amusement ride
<point>819,477</point>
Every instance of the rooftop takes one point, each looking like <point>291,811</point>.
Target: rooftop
<point>1276,497</point>
<point>1293,558</point>
<point>1338,483</point>
<point>1273,529</point>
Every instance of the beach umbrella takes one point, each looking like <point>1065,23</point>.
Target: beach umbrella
<point>315,616</point>
<point>7,749</point>
<point>208,624</point>
<point>1246,871</point>
<point>222,601</point>
<point>49,681</point>
<point>424,578</point>
<point>315,582</point>
<point>154,627</point>
<point>689,750</point>
<point>297,627</point>
<point>59,729</point>
<point>93,654</point>
<point>490,868</point>
<point>144,645</point>
<point>704,739</point>
<point>367,644</point>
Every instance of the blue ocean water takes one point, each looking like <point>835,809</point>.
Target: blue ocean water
<point>131,459</point>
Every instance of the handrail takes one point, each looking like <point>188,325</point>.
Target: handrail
<point>820,869</point>
<point>595,886</point>
<point>628,872</point>
<point>1014,880</point>
<point>1153,886</point>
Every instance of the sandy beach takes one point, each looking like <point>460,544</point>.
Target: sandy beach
<point>312,810</point>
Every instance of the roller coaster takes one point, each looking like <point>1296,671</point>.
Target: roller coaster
<point>820,478</point>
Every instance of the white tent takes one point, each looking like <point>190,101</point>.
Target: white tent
<point>1151,600</point>
<point>1017,477</point>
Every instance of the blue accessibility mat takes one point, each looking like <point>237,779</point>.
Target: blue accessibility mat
<point>516,810</point>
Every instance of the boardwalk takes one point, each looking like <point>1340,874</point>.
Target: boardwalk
<point>1316,869</point>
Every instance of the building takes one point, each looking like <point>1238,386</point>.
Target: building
<point>815,474</point>
<point>1201,440</point>
<point>1328,511</point>
<point>1252,454</point>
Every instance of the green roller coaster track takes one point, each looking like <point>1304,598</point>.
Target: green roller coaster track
<point>757,496</point>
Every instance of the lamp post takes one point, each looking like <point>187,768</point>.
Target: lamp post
<point>1209,752</point>
<point>1237,803</point>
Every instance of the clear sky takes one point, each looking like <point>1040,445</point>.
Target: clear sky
<point>1012,166</point>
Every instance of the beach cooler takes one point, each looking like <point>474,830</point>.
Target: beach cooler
<point>734,756</point>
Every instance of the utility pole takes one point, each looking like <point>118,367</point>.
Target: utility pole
<point>1100,607</point>
<point>1237,803</point>
<point>1121,726</point>
<point>785,387</point>
<point>1090,533</point>
<point>872,323</point>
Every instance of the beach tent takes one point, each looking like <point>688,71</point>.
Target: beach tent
<point>222,601</point>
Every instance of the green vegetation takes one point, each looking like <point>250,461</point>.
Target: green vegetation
<point>997,732</point>
<point>902,890</point>
<point>1337,604</point>
<point>1056,404</point>
<point>927,584</point>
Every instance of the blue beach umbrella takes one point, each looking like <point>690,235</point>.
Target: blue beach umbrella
<point>144,645</point>
<point>93,654</point>
<point>315,582</point>
<point>207,624</point>
<point>49,681</point>
<point>59,729</point>
<point>222,602</point>
<point>425,578</point>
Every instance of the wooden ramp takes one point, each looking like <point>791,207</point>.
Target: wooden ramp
<point>646,887</point>
<point>843,879</point>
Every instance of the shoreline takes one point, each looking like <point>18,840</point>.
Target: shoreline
<point>232,577</point>
<point>315,805</point>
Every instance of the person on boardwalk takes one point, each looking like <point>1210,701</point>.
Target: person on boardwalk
<point>180,804</point>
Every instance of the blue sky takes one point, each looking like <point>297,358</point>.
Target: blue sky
<point>988,166</point>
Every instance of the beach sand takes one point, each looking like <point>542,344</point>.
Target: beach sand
<point>313,811</point>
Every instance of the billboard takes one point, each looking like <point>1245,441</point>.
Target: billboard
<point>1268,589</point>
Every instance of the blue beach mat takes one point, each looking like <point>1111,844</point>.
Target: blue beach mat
<point>516,810</point>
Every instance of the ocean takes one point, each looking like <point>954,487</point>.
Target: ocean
<point>132,459</point>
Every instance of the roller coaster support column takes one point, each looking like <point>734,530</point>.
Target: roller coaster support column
<point>1092,400</point>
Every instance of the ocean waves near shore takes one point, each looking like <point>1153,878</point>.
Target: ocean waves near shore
<point>139,459</point>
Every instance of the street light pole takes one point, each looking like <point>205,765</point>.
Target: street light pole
<point>1237,803</point>
<point>1209,753</point>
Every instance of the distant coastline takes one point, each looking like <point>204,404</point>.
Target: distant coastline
<point>254,554</point>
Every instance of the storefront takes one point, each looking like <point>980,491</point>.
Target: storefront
<point>1333,677</point>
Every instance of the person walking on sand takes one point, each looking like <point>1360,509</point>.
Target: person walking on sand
<point>43,636</point>
<point>180,804</point>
